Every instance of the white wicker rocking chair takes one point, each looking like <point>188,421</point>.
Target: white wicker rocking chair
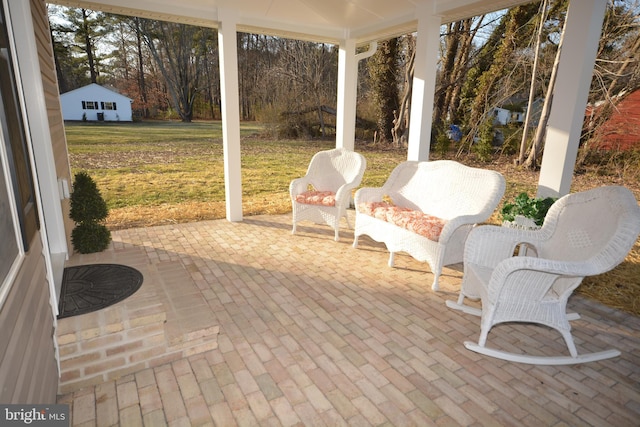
<point>583,234</point>
<point>324,193</point>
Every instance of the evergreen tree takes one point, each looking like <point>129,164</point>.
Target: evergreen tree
<point>88,211</point>
<point>78,31</point>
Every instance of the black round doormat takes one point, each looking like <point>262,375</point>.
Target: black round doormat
<point>87,288</point>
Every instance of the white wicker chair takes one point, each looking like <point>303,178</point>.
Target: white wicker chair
<point>338,171</point>
<point>583,234</point>
<point>461,195</point>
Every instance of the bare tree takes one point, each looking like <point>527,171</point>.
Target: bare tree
<point>142,84</point>
<point>538,143</point>
<point>304,78</point>
<point>493,70</point>
<point>178,51</point>
<point>532,89</point>
<point>467,31</point>
<point>400,129</point>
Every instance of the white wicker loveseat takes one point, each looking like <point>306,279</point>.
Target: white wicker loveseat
<point>427,209</point>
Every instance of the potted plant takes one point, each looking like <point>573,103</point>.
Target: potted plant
<point>526,212</point>
<point>88,211</point>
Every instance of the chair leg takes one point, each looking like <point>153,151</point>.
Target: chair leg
<point>392,256</point>
<point>568,339</point>
<point>461,306</point>
<point>435,286</point>
<point>355,241</point>
<point>437,271</point>
<point>484,333</point>
<point>293,231</point>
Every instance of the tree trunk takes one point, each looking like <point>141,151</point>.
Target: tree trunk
<point>461,68</point>
<point>400,129</point>
<point>88,46</point>
<point>141,82</point>
<point>532,88</point>
<point>452,40</point>
<point>383,71</point>
<point>538,143</point>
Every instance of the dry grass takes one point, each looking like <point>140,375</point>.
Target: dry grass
<point>183,182</point>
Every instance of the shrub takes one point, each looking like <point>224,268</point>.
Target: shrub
<point>443,143</point>
<point>528,207</point>
<point>90,237</point>
<point>88,211</point>
<point>483,147</point>
<point>87,204</point>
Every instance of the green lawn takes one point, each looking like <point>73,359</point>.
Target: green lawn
<point>152,164</point>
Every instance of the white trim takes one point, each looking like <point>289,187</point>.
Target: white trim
<point>324,22</point>
<point>9,280</point>
<point>34,112</point>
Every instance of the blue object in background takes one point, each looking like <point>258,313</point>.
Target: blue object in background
<point>454,133</point>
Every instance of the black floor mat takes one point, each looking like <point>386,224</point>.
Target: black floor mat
<point>88,288</point>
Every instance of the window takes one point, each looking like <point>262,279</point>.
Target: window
<point>108,105</point>
<point>16,160</point>
<point>89,105</point>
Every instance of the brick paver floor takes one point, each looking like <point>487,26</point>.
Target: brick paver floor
<point>314,332</point>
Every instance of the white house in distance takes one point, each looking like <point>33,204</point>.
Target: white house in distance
<point>504,116</point>
<point>94,102</point>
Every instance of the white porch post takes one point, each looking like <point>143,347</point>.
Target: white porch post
<point>424,83</point>
<point>347,95</point>
<point>580,46</point>
<point>228,46</point>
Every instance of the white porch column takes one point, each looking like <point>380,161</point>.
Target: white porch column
<point>229,91</point>
<point>577,58</point>
<point>424,83</point>
<point>347,95</point>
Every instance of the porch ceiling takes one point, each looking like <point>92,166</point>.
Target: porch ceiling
<point>325,21</point>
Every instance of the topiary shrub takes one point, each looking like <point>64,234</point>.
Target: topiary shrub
<point>88,211</point>
<point>90,237</point>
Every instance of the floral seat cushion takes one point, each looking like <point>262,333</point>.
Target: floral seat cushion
<point>418,222</point>
<point>315,197</point>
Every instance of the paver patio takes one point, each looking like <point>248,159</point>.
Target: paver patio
<point>303,330</point>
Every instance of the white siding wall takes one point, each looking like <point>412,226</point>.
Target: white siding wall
<point>72,104</point>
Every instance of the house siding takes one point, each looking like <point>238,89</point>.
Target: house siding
<point>52,101</point>
<point>621,131</point>
<point>28,368</point>
<point>73,104</point>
